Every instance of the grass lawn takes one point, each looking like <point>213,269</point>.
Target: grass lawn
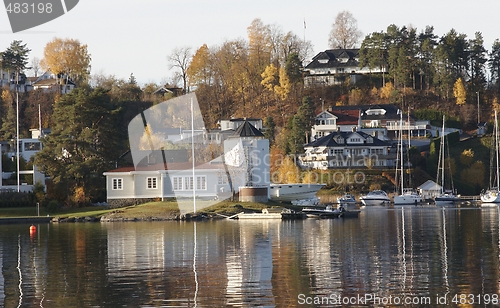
<point>160,209</point>
<point>21,212</point>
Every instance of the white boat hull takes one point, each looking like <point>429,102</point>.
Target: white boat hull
<point>292,192</point>
<point>376,197</point>
<point>490,197</point>
<point>259,216</point>
<point>446,200</point>
<point>372,202</point>
<point>407,199</point>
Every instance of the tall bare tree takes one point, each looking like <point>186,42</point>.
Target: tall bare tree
<point>345,33</point>
<point>35,66</point>
<point>180,59</point>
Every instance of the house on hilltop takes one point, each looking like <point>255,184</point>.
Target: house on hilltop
<point>335,66</point>
<point>51,82</point>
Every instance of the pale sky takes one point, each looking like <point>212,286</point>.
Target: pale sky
<point>125,37</point>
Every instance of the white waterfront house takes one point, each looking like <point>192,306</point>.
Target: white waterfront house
<point>430,189</point>
<point>347,149</point>
<point>244,164</point>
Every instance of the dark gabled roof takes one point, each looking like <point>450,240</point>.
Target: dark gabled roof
<point>332,56</point>
<point>247,130</point>
<point>391,111</point>
<point>347,117</point>
<point>166,89</point>
<point>330,140</point>
<point>244,119</point>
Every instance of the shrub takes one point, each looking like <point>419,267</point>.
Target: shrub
<point>53,206</point>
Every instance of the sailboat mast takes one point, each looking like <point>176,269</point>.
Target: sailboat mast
<point>401,150</point>
<point>442,157</point>
<point>496,149</point>
<point>408,150</point>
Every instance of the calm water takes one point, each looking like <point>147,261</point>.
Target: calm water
<point>416,254</point>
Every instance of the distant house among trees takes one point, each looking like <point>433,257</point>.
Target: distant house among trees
<point>335,66</point>
<point>168,91</point>
<point>48,81</point>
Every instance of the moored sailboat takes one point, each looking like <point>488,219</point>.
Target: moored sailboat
<point>407,196</point>
<point>492,194</point>
<point>447,197</point>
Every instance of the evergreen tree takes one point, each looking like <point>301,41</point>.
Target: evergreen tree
<point>494,64</point>
<point>477,56</point>
<point>15,58</point>
<point>270,127</point>
<point>293,67</point>
<point>84,143</point>
<point>8,130</point>
<point>299,126</point>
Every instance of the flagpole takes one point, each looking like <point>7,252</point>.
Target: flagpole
<point>192,155</point>
<point>17,130</point>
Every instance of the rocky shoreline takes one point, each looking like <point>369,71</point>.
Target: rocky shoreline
<point>118,217</point>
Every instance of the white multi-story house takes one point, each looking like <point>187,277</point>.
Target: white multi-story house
<point>335,66</point>
<point>381,121</point>
<point>330,121</point>
<point>14,82</point>
<point>28,147</point>
<point>348,150</point>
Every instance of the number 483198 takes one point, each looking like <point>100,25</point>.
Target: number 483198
<point>26,8</point>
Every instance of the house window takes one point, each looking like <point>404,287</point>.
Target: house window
<point>32,146</point>
<point>117,184</point>
<point>188,183</point>
<point>152,183</point>
<point>177,183</point>
<point>201,182</point>
<point>221,180</point>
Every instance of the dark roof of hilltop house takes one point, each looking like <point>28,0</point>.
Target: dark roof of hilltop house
<point>330,140</point>
<point>334,58</point>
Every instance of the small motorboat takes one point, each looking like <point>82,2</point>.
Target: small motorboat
<point>375,197</point>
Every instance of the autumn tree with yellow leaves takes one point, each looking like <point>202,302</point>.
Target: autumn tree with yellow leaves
<point>459,92</point>
<point>68,57</point>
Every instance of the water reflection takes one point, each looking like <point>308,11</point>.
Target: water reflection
<point>425,252</point>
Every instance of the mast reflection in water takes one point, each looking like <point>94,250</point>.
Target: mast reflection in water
<point>413,252</point>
